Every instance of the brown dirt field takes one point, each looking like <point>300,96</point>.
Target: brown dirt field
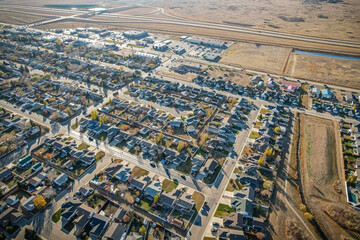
<point>185,77</point>
<point>280,213</point>
<point>20,18</point>
<point>332,20</point>
<point>328,70</point>
<point>136,11</point>
<point>321,156</point>
<point>234,76</point>
<point>255,56</point>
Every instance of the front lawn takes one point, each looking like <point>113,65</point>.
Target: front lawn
<point>75,126</point>
<point>56,217</point>
<point>168,185</point>
<point>83,146</point>
<point>223,210</point>
<point>99,155</point>
<point>199,200</point>
<point>254,135</point>
<point>139,172</point>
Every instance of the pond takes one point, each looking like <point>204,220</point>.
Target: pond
<point>327,55</point>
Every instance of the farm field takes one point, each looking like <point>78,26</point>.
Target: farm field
<point>320,162</point>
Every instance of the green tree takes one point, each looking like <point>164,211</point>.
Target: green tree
<point>94,114</point>
<point>142,230</point>
<point>309,217</point>
<point>261,161</point>
<point>180,146</point>
<point>156,198</point>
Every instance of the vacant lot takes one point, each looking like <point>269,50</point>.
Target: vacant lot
<point>320,156</point>
<point>257,56</point>
<point>327,70</point>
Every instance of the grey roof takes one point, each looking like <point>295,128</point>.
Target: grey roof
<point>98,223</point>
<point>186,201</point>
<point>69,207</point>
<point>115,231</point>
<point>5,173</point>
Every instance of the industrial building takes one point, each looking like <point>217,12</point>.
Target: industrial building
<point>141,55</point>
<point>206,41</point>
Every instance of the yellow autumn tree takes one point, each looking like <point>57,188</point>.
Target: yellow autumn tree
<point>261,161</point>
<point>39,202</point>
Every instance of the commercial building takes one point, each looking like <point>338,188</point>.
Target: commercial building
<point>134,34</point>
<point>141,55</point>
<point>206,41</point>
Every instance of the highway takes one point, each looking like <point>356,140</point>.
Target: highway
<point>187,22</point>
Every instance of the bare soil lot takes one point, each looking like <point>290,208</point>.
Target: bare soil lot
<point>333,20</point>
<point>320,159</point>
<point>20,18</point>
<point>327,70</point>
<point>257,56</point>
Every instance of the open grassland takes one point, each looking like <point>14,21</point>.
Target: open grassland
<point>327,70</point>
<point>256,56</point>
<point>317,18</point>
<point>320,162</point>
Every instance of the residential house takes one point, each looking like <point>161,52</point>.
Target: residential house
<point>112,169</point>
<point>61,179</point>
<point>208,168</point>
<point>35,182</point>
<point>116,231</point>
<point>242,205</point>
<point>176,123</point>
<point>246,193</point>
<point>235,221</point>
<point>168,199</point>
<point>185,203</point>
<point>28,205</point>
<point>85,191</point>
<point>6,175</point>
<point>10,217</point>
<point>139,183</point>
<point>230,234</point>
<point>12,200</point>
<point>249,180</point>
<point>82,215</point>
<point>326,93</point>
<point>98,224</point>
<point>68,210</point>
<point>153,189</point>
<point>197,162</point>
<point>123,174</point>
<point>25,162</point>
<point>119,215</point>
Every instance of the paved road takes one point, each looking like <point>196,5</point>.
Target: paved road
<point>187,22</point>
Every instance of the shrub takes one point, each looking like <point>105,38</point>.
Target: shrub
<point>309,217</point>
